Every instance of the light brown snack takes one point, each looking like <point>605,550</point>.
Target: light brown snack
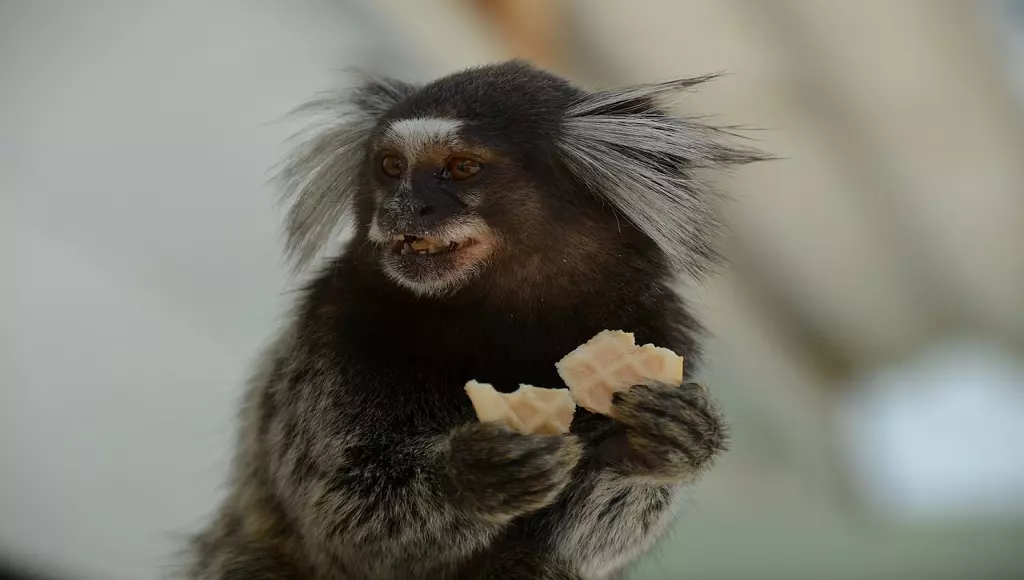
<point>529,410</point>
<point>612,362</point>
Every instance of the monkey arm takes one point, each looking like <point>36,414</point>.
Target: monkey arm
<point>609,518</point>
<point>669,436</point>
<point>381,506</point>
<point>386,503</point>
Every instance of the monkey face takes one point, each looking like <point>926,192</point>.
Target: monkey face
<point>453,175</point>
<point>428,186</point>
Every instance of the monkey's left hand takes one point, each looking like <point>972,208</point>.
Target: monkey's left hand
<point>672,433</point>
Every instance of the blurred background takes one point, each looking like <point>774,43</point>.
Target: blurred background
<point>869,335</point>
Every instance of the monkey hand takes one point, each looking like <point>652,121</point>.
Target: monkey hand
<point>672,433</point>
<point>504,474</point>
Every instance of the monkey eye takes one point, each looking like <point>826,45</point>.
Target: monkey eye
<point>462,168</point>
<point>392,166</point>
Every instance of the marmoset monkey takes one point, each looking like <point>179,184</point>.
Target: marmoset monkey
<point>502,217</point>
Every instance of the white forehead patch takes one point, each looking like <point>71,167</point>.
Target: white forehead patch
<point>413,135</point>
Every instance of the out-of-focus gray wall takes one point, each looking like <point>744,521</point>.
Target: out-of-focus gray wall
<point>140,256</point>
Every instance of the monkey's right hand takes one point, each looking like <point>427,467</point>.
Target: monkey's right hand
<point>504,474</point>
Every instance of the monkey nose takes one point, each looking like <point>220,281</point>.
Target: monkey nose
<point>429,210</point>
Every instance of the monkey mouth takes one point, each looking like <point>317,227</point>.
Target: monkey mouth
<point>407,245</point>
<point>436,262</point>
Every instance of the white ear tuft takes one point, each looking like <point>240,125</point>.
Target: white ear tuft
<point>622,146</point>
<point>321,176</point>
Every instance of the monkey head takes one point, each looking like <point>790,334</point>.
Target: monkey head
<point>506,174</point>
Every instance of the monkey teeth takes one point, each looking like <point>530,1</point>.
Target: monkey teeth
<point>425,245</point>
